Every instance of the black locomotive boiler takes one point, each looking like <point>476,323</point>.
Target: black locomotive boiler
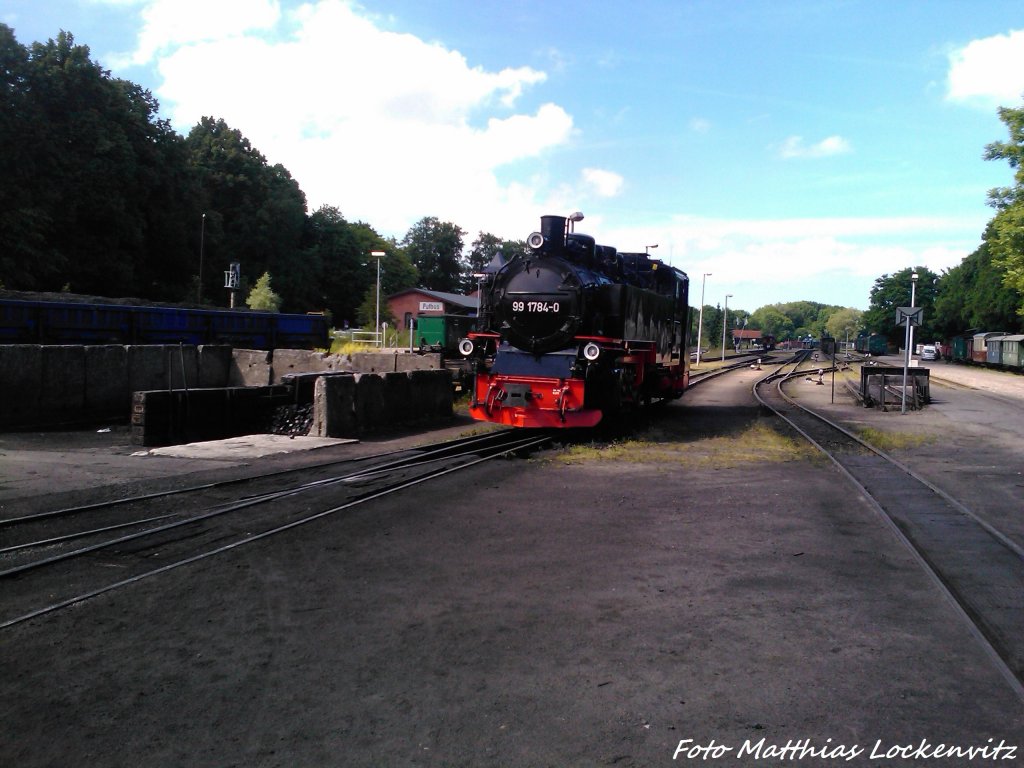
<point>573,331</point>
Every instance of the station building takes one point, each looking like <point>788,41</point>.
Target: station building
<point>412,302</point>
<point>743,338</point>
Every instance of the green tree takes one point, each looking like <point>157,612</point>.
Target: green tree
<point>335,254</point>
<point>975,294</point>
<point>713,325</point>
<point>262,296</point>
<point>483,250</point>
<point>773,321</point>
<point>256,213</point>
<point>435,249</point>
<point>892,291</point>
<point>96,186</point>
<point>1005,235</point>
<point>366,315</point>
<point>844,323</point>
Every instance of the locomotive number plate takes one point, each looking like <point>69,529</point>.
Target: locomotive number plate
<point>535,306</point>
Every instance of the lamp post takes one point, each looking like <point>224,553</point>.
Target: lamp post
<point>725,323</point>
<point>913,291</point>
<point>647,248</point>
<point>202,242</point>
<point>573,218</point>
<point>908,342</point>
<point>376,325</point>
<point>700,317</point>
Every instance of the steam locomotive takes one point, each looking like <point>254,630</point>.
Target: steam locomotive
<point>573,331</point>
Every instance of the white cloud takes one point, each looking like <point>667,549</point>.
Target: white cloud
<point>168,24</point>
<point>988,71</point>
<point>603,183</point>
<point>794,146</point>
<point>387,127</point>
<point>763,261</point>
<point>700,125</point>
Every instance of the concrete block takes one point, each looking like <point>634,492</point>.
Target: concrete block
<point>21,375</point>
<point>106,381</point>
<point>289,361</point>
<point>183,365</point>
<point>415,362</point>
<point>369,402</point>
<point>334,407</point>
<point>214,365</point>
<point>433,394</point>
<point>62,388</point>
<point>250,368</point>
<point>398,401</point>
<point>163,417</point>
<point>147,367</point>
<point>339,363</point>
<point>374,362</point>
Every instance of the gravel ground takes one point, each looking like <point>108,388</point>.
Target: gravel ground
<point>967,441</point>
<point>542,612</point>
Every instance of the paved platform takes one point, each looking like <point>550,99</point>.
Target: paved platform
<point>246,447</point>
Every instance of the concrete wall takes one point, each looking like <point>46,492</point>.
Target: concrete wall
<point>45,386</point>
<point>349,406</point>
<point>49,386</point>
<point>259,368</point>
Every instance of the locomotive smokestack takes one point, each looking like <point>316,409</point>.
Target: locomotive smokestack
<point>553,229</point>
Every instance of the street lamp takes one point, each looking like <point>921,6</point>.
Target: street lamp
<point>913,291</point>
<point>700,317</point>
<point>376,327</point>
<point>573,218</point>
<point>647,248</point>
<point>909,341</point>
<point>725,323</point>
<point>202,241</point>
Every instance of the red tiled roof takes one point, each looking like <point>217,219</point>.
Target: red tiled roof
<point>745,334</point>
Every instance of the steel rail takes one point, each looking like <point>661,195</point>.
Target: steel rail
<point>530,443</point>
<point>67,511</point>
<point>959,602</point>
<point>251,501</point>
<point>80,534</point>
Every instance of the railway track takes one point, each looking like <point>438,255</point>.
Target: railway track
<point>55,559</point>
<point>703,375</point>
<point>979,569</point>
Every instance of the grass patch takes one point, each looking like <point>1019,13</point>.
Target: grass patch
<point>892,441</point>
<point>759,443</point>
<point>347,347</point>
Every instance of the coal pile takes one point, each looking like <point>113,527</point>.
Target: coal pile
<point>292,420</point>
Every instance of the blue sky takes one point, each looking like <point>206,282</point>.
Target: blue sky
<point>793,150</point>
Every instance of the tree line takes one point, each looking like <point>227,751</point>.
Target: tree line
<point>102,197</point>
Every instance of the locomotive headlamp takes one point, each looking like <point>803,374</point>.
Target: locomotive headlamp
<point>591,351</point>
<point>466,347</point>
<point>535,241</point>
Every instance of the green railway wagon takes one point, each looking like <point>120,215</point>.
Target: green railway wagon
<point>441,333</point>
